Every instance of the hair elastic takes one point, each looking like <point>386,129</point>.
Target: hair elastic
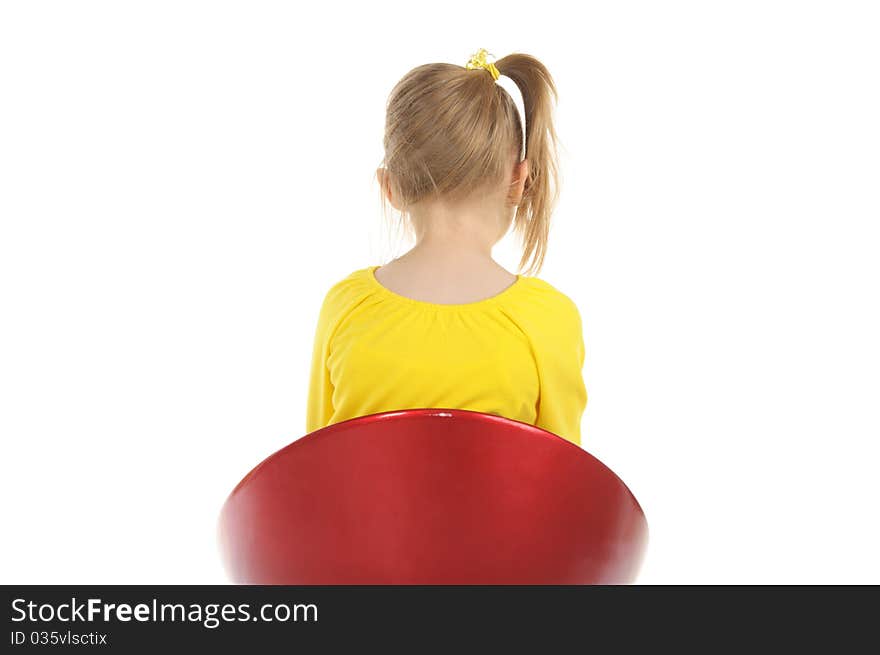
<point>478,60</point>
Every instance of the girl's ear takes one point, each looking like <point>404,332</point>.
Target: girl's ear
<point>520,173</point>
<point>384,179</point>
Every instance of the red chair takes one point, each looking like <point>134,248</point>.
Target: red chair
<point>432,496</point>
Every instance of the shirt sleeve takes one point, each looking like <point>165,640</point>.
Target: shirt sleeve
<point>563,395</point>
<point>319,408</point>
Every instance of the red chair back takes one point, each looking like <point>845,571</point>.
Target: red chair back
<point>432,496</point>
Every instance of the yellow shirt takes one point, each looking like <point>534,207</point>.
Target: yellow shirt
<point>518,354</point>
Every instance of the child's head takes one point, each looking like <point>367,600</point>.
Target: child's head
<point>453,136</point>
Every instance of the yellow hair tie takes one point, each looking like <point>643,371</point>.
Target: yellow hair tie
<point>478,60</point>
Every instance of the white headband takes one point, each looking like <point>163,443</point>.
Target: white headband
<point>513,91</point>
<point>480,60</point>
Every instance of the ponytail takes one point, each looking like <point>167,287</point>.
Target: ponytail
<point>541,190</point>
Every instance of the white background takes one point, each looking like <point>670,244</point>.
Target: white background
<point>181,182</point>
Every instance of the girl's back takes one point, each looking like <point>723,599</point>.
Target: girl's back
<point>517,354</point>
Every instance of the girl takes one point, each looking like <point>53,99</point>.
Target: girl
<point>468,151</point>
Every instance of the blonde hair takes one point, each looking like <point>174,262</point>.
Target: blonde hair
<point>451,131</point>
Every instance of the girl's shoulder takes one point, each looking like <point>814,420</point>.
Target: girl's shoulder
<point>347,290</point>
<point>548,295</point>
